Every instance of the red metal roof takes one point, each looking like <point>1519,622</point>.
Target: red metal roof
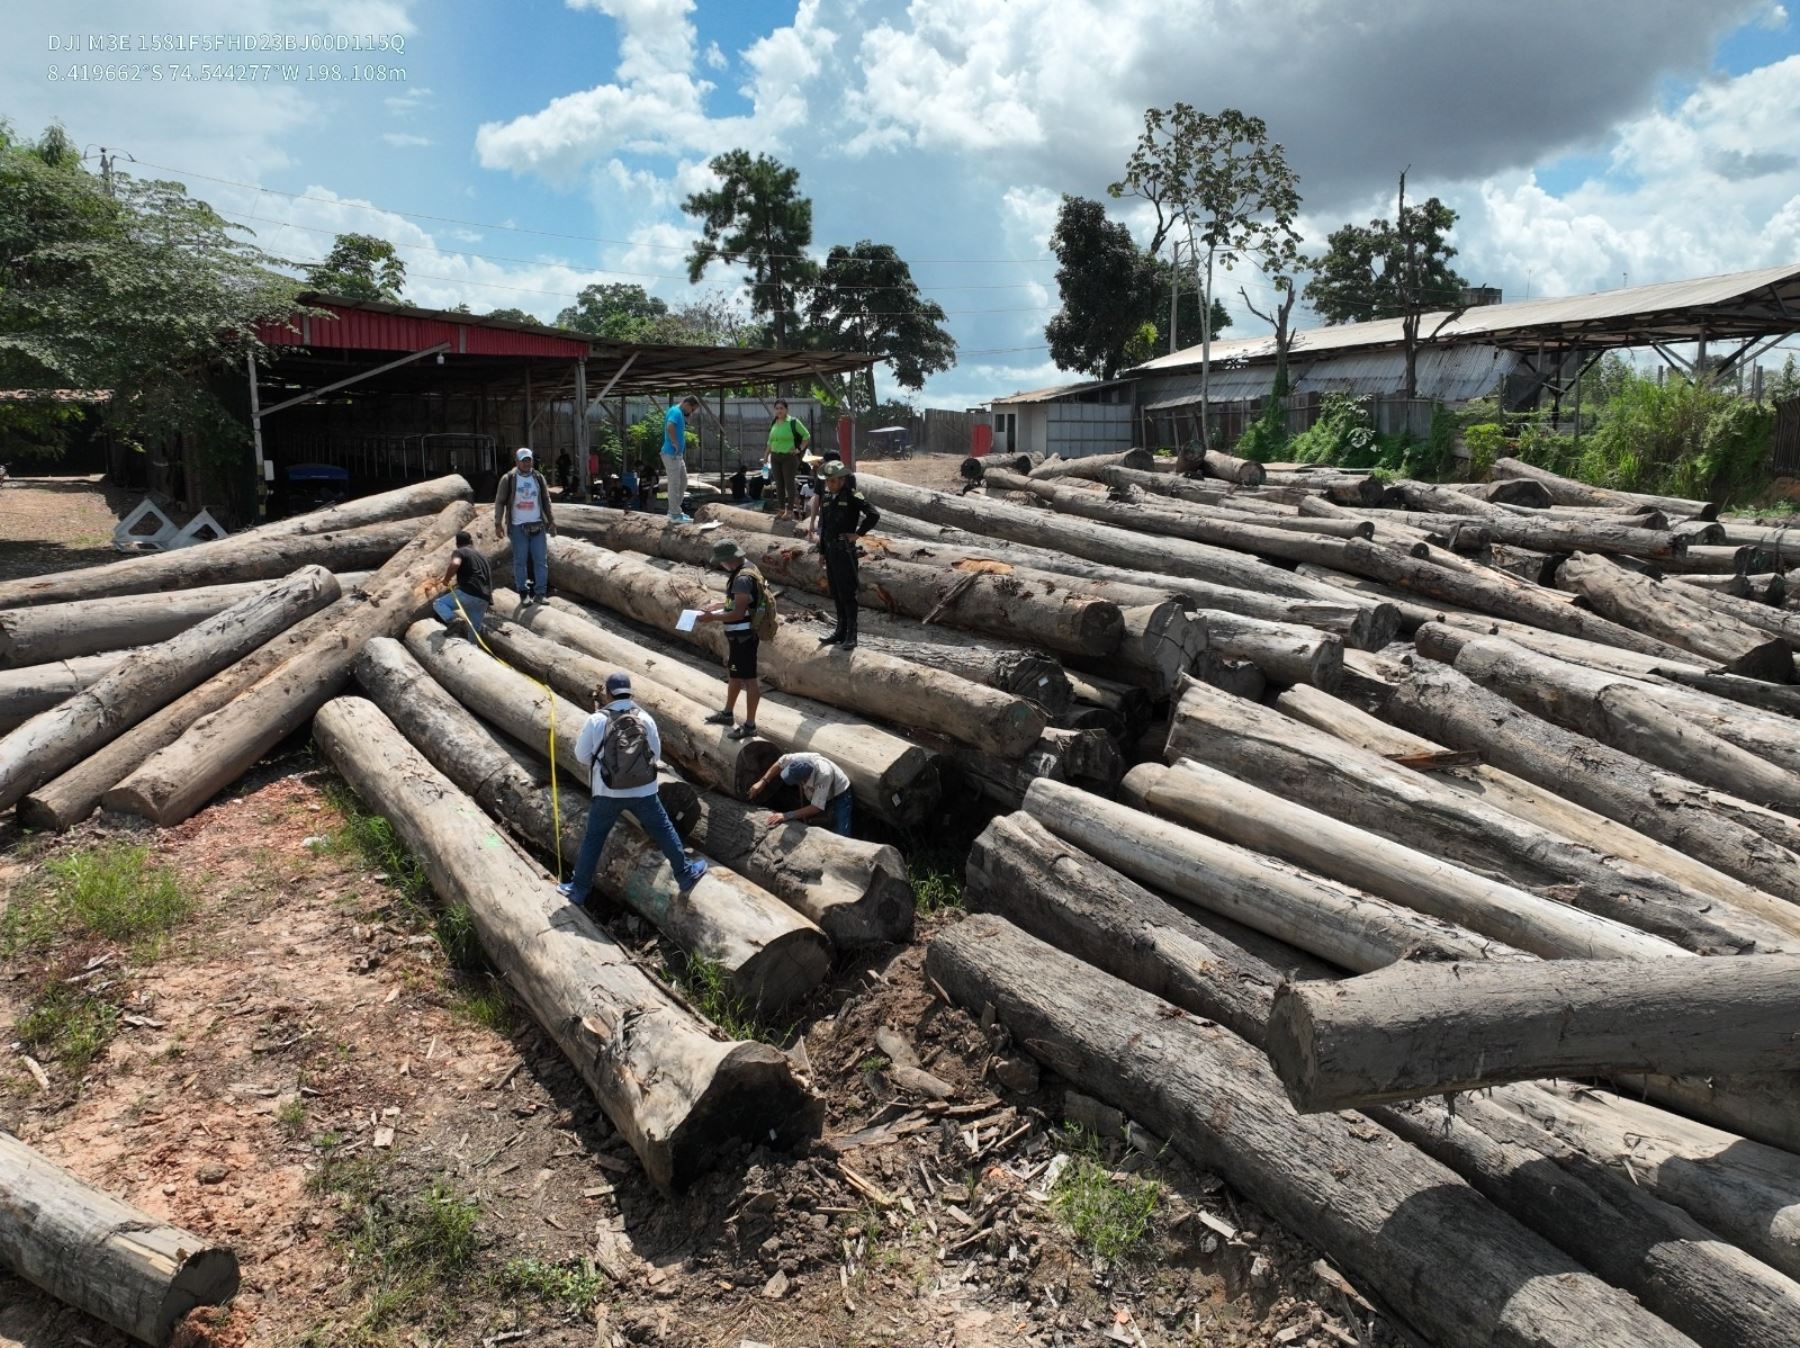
<point>366,325</point>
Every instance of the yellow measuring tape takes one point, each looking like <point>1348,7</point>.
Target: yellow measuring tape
<point>550,701</point>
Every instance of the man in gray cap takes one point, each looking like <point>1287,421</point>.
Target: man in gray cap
<point>621,746</point>
<point>748,614</point>
<point>822,782</point>
<point>522,514</point>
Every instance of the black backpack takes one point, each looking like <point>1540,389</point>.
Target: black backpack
<point>624,759</point>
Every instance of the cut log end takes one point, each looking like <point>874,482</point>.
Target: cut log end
<point>207,1277</point>
<point>750,1099</point>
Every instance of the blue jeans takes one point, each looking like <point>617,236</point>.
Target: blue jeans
<point>837,814</point>
<point>445,608</point>
<point>538,547</point>
<point>603,813</point>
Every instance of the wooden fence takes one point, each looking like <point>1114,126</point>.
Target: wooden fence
<point>1784,443</point>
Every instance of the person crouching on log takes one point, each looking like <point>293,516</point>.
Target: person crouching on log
<point>471,583</point>
<point>845,515</point>
<point>621,746</point>
<point>749,616</point>
<point>522,514</point>
<point>822,782</point>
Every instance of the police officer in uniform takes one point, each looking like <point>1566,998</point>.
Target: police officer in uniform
<point>844,515</point>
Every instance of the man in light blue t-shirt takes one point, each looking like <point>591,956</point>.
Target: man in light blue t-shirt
<point>674,455</point>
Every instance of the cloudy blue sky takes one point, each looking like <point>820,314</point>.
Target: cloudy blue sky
<point>520,150</point>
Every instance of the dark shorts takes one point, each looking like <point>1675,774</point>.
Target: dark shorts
<point>740,654</point>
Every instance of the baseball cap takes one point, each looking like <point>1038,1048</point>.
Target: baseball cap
<point>618,685</point>
<point>522,455</point>
<point>796,772</point>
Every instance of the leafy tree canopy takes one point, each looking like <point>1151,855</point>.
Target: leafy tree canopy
<point>757,218</point>
<point>865,299</point>
<point>1362,273</point>
<point>513,316</point>
<point>613,310</point>
<point>360,267</point>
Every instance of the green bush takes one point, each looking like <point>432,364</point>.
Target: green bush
<point>1266,438</point>
<point>1342,435</point>
<point>645,438</point>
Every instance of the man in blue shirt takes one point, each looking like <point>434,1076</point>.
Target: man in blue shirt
<point>674,455</point>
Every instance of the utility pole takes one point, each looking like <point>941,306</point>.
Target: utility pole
<point>106,171</point>
<point>1174,291</point>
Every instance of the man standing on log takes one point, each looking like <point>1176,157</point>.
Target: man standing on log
<point>621,746</point>
<point>674,456</point>
<point>845,515</point>
<point>749,615</point>
<point>471,583</point>
<point>522,514</point>
<point>824,784</point>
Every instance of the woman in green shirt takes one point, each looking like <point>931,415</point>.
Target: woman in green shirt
<point>787,442</point>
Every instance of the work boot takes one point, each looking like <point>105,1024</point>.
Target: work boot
<point>831,640</point>
<point>720,718</point>
<point>746,731</point>
<point>848,643</point>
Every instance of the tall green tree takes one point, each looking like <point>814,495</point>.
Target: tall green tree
<point>756,217</point>
<point>614,310</point>
<point>1363,274</point>
<point>865,299</point>
<point>512,315</point>
<point>360,267</point>
<point>1230,191</point>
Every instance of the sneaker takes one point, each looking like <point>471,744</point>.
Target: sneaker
<point>831,640</point>
<point>696,868</point>
<point>567,889</point>
<point>684,518</point>
<point>746,731</point>
<point>720,718</point>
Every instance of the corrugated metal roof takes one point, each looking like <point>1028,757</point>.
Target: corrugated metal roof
<point>1449,374</point>
<point>1671,311</point>
<point>1058,391</point>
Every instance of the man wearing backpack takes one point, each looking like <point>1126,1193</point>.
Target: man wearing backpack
<point>749,616</point>
<point>620,745</point>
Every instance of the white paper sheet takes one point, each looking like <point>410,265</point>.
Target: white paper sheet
<point>685,623</point>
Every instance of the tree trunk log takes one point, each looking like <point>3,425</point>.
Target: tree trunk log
<point>216,750</point>
<point>1726,833</point>
<point>1751,612</point>
<point>894,778</point>
<point>1518,491</point>
<point>1414,1030</point>
<point>1567,491</point>
<point>678,1095</point>
<point>1200,491</point>
<point>1316,769</point>
<point>1450,1264</point>
<point>415,501</point>
<point>1237,812</point>
<point>54,740</point>
<point>225,561</point>
<point>897,691</point>
<point>37,688</point>
<point>1241,472</point>
<point>1561,536</point>
<point>1340,488</point>
<point>1680,616</point>
<point>101,1256</point>
<point>1089,759</point>
<point>1331,921</point>
<point>859,893</point>
<point>1089,465</point>
<point>1625,713</point>
<point>48,632</point>
<point>1283,652</point>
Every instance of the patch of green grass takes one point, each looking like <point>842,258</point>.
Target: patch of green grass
<point>485,1003</point>
<point>937,881</point>
<point>873,1063</point>
<point>576,1286</point>
<point>1109,1214</point>
<point>67,1025</point>
<point>367,835</point>
<point>708,987</point>
<point>112,892</point>
<point>291,1116</point>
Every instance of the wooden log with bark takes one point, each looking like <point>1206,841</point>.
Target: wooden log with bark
<point>1756,845</point>
<point>216,749</point>
<point>1541,536</point>
<point>897,691</point>
<point>1752,612</point>
<point>43,633</point>
<point>1088,465</point>
<point>415,501</point>
<point>1088,758</point>
<point>37,688</point>
<point>1230,468</point>
<point>679,1095</point>
<point>1331,921</point>
<point>103,1256</point>
<point>1236,811</point>
<point>1518,491</point>
<point>54,740</point>
<point>1679,616</point>
<point>1448,1263</point>
<point>1283,652</point>
<point>1413,1030</point>
<point>859,893</point>
<point>1335,485</point>
<point>1317,769</point>
<point>1200,491</point>
<point>893,777</point>
<point>1567,491</point>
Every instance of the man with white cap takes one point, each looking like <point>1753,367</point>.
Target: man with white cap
<point>522,514</point>
<point>822,782</point>
<point>621,746</point>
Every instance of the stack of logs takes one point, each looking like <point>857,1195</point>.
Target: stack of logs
<point>1298,779</point>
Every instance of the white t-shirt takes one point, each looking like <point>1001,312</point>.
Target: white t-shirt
<point>827,782</point>
<point>527,508</point>
<point>587,745</point>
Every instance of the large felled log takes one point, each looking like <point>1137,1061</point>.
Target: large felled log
<point>1334,922</point>
<point>35,688</point>
<point>241,557</point>
<point>1317,769</point>
<point>858,892</point>
<point>47,632</point>
<point>1335,485</point>
<point>897,691</point>
<point>1743,609</point>
<point>1243,472</point>
<point>1732,835</point>
<point>1625,713</point>
<point>1088,758</point>
<point>117,1263</point>
<point>1239,812</point>
<point>213,751</point>
<point>1517,491</point>
<point>411,502</point>
<point>1567,491</point>
<point>1448,1262</point>
<point>1285,653</point>
<point>53,740</point>
<point>1413,1030</point>
<point>1678,615</point>
<point>1201,491</point>
<point>892,777</point>
<point>677,1094</point>
<point>1090,464</point>
<point>1541,536</point>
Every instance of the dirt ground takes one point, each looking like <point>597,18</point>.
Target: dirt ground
<point>311,1070</point>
